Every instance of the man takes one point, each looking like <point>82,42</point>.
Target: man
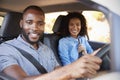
<point>17,66</point>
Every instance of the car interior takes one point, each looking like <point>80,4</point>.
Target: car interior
<point>10,29</point>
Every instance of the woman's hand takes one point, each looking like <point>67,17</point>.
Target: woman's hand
<point>82,49</point>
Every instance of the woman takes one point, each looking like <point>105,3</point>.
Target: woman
<point>74,42</point>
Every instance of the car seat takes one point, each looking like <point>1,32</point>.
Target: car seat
<point>51,40</point>
<point>10,27</point>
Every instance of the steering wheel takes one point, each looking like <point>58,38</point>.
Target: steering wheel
<point>103,51</point>
<point>103,54</point>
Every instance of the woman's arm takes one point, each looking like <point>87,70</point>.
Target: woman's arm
<point>63,52</point>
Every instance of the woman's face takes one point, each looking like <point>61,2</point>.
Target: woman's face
<point>74,27</point>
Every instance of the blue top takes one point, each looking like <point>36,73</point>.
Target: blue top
<point>11,56</point>
<point>68,49</point>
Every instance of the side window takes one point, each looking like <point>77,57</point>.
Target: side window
<point>2,14</point>
<point>98,27</point>
<point>1,20</point>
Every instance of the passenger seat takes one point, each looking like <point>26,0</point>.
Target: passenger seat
<point>51,40</point>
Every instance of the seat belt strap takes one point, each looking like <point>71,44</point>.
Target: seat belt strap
<point>38,66</point>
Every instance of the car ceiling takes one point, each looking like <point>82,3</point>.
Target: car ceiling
<point>46,5</point>
<point>113,5</point>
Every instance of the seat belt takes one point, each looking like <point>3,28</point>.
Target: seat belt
<point>38,66</point>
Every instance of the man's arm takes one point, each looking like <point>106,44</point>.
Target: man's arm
<point>86,66</point>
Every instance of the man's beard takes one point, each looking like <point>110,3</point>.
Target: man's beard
<point>26,37</point>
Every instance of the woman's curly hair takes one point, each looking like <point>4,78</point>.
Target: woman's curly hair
<point>78,15</point>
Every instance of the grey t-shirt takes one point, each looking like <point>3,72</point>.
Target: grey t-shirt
<point>10,56</point>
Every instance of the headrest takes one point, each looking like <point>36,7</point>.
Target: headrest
<point>59,24</point>
<point>10,27</point>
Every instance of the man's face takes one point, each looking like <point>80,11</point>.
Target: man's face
<point>32,26</point>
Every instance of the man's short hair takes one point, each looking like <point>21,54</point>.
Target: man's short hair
<point>35,8</point>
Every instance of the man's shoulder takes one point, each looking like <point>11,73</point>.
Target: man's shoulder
<point>4,47</point>
<point>7,42</point>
